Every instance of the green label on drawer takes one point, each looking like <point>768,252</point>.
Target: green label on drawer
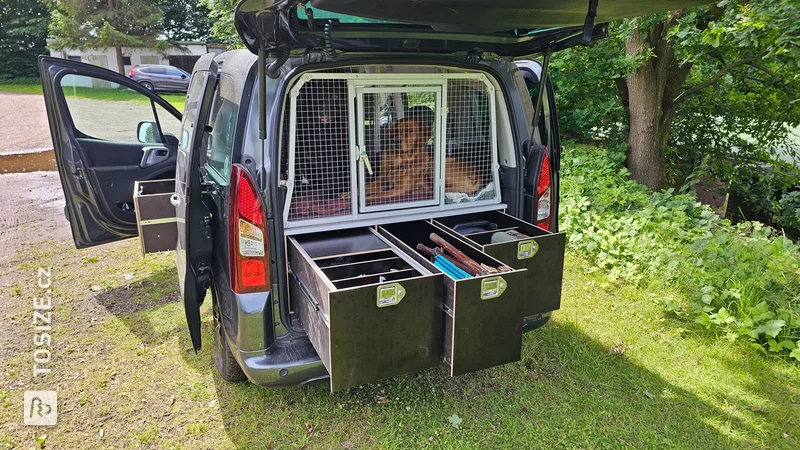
<point>526,249</point>
<point>390,294</point>
<point>492,287</point>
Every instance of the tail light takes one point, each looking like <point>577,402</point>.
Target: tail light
<point>544,194</point>
<point>130,71</point>
<point>247,243</point>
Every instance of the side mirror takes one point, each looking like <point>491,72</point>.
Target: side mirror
<point>147,132</point>
<point>183,75</point>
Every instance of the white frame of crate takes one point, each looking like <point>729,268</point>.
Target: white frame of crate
<point>360,214</point>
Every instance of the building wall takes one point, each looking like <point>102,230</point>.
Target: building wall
<point>107,57</point>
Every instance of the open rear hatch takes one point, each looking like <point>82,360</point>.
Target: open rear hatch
<point>504,27</point>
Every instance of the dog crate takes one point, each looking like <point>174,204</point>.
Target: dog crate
<point>361,148</point>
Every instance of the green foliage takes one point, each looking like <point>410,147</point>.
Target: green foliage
<point>737,102</point>
<point>789,210</point>
<point>115,23</point>
<point>221,15</point>
<point>186,20</point>
<point>741,281</point>
<point>23,34</point>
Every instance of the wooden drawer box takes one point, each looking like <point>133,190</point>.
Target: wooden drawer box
<point>542,254</point>
<point>155,215</point>
<point>370,311</point>
<point>483,314</point>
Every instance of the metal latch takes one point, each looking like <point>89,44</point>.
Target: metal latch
<point>390,294</point>
<point>492,287</point>
<point>364,158</point>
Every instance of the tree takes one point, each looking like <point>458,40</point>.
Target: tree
<point>108,24</point>
<point>23,34</point>
<point>719,79</point>
<point>186,20</point>
<point>221,12</point>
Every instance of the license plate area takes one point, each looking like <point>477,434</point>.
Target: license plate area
<point>541,253</point>
<point>370,310</point>
<point>483,313</point>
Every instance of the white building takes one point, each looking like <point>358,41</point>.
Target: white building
<point>182,55</point>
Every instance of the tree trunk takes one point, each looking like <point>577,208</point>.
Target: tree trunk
<point>652,89</point>
<point>120,60</point>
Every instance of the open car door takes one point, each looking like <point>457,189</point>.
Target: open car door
<point>194,229</point>
<point>108,132</point>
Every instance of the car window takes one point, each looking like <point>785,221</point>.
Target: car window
<point>174,72</point>
<point>223,122</point>
<point>158,70</point>
<point>101,109</point>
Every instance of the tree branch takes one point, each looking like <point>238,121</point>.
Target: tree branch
<point>716,77</point>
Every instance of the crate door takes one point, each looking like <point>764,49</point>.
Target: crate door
<point>399,147</point>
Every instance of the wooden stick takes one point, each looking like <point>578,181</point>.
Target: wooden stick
<point>489,269</point>
<point>457,254</point>
<point>425,250</point>
<point>505,269</point>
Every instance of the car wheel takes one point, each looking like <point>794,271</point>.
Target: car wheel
<point>147,85</point>
<point>227,366</point>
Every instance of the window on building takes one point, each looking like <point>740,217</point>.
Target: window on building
<point>149,59</point>
<point>74,57</point>
<point>126,60</point>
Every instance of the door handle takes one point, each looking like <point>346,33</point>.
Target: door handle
<point>153,155</point>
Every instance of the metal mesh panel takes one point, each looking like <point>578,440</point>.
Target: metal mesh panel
<point>321,151</point>
<point>399,129</point>
<point>469,175</point>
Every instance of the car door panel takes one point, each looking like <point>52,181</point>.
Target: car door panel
<point>97,175</point>
<point>193,250</point>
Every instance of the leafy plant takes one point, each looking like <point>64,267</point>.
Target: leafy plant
<point>742,281</point>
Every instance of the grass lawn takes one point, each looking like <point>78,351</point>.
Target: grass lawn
<point>176,100</point>
<point>126,377</point>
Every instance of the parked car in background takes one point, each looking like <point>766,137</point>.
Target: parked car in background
<point>158,77</point>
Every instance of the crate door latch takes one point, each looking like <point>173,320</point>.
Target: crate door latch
<point>526,249</point>
<point>390,294</point>
<point>492,287</point>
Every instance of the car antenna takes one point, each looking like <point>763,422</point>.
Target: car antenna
<point>588,24</point>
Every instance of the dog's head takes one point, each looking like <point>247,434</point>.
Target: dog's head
<point>408,135</point>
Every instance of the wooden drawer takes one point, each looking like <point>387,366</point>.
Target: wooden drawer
<point>155,215</point>
<point>370,311</point>
<point>542,254</point>
<point>483,314</point>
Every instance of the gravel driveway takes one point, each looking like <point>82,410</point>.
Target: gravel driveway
<point>23,124</point>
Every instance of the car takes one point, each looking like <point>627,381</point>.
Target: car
<point>367,189</point>
<point>160,77</point>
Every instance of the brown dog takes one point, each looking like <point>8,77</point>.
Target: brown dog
<point>407,168</point>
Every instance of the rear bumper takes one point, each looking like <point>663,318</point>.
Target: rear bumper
<point>287,362</point>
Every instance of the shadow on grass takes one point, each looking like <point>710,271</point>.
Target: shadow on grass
<point>134,304</point>
<point>567,391</point>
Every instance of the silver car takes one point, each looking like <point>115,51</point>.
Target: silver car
<point>157,77</point>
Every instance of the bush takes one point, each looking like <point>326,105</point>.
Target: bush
<point>741,281</point>
<point>20,81</point>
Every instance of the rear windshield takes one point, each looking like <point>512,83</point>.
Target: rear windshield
<point>342,18</point>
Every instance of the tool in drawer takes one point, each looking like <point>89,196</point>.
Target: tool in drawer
<point>454,262</point>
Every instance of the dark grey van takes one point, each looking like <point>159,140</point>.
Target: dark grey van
<point>369,189</point>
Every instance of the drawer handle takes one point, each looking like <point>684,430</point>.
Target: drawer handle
<point>492,287</point>
<point>390,294</point>
<point>526,249</point>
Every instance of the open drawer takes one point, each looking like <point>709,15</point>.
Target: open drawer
<point>155,215</point>
<point>483,313</point>
<point>542,253</point>
<point>370,311</point>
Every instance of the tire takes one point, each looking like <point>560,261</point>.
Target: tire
<point>147,85</point>
<point>227,366</point>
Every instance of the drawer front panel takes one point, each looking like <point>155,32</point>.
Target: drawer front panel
<point>483,313</point>
<point>545,266</point>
